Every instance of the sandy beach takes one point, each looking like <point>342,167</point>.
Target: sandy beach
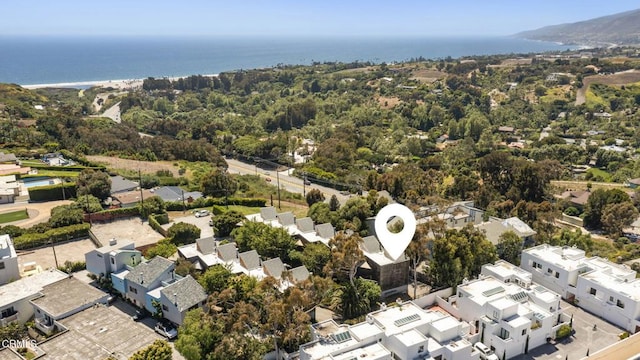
<point>127,84</point>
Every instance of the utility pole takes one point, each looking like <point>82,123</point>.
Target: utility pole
<point>141,196</point>
<point>184,207</point>
<point>304,184</point>
<point>278,179</point>
<point>55,258</point>
<point>86,196</point>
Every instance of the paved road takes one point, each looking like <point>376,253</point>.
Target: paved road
<point>287,182</point>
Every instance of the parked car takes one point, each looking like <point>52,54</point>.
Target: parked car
<point>485,352</point>
<point>167,330</point>
<point>202,213</point>
<point>211,222</point>
<point>267,179</point>
<point>111,299</point>
<point>139,315</point>
<point>307,182</point>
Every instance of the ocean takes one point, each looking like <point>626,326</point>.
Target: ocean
<point>50,60</point>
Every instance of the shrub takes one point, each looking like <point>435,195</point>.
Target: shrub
<point>572,211</point>
<point>564,331</point>
<point>72,266</point>
<point>155,225</point>
<point>32,240</point>
<point>183,233</point>
<point>52,192</point>
<point>208,202</point>
<point>163,248</point>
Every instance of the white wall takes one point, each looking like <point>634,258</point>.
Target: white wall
<point>10,272</point>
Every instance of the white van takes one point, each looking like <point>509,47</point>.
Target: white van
<point>485,352</point>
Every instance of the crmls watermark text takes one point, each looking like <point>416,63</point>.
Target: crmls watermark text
<point>17,343</point>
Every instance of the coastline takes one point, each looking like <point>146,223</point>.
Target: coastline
<point>123,84</point>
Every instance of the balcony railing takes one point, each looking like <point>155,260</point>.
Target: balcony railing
<point>44,325</point>
<point>9,319</point>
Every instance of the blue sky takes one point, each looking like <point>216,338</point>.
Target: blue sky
<point>296,17</point>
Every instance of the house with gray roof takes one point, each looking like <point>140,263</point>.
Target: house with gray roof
<point>495,227</point>
<point>147,276</point>
<point>63,299</point>
<point>179,297</point>
<point>228,252</point>
<point>300,273</point>
<point>175,193</point>
<point>268,213</point>
<point>286,219</point>
<point>250,260</point>
<point>206,245</point>
<point>305,225</point>
<point>273,267</point>
<point>120,184</point>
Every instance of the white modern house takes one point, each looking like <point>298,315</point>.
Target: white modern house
<point>510,313</point>
<point>9,270</point>
<point>597,285</point>
<point>404,332</point>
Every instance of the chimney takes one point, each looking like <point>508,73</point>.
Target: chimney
<point>141,277</point>
<point>175,299</point>
<point>112,241</point>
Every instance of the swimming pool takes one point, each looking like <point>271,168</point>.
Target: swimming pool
<point>33,182</point>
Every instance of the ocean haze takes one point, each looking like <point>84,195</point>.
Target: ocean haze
<point>48,60</point>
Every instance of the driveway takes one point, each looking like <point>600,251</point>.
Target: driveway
<point>201,222</point>
<point>585,338</point>
<point>38,212</point>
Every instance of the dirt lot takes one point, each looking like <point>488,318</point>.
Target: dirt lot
<point>621,78</point>
<point>427,75</point>
<point>127,229</point>
<point>43,257</point>
<point>38,212</point>
<point>144,166</point>
<point>389,102</point>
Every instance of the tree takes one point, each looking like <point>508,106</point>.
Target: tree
<point>65,215</point>
<point>224,223</point>
<point>509,247</point>
<point>314,256</point>
<point>96,183</point>
<point>346,256</point>
<point>198,335</point>
<point>334,203</point>
<point>183,233</point>
<point>616,217</point>
<point>597,202</point>
<point>354,213</point>
<point>320,213</point>
<point>164,248</point>
<point>314,196</point>
<point>218,183</point>
<point>270,242</point>
<point>418,251</point>
<point>152,205</point>
<point>158,350</point>
<point>358,299</point>
<point>215,279</point>
<point>458,255</point>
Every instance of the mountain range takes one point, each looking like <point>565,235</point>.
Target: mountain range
<point>618,29</point>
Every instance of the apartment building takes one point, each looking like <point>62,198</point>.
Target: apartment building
<point>597,285</point>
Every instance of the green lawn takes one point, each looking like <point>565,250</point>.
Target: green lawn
<point>13,216</point>
<point>605,176</point>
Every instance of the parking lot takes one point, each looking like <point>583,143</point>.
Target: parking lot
<point>585,338</point>
<point>200,222</point>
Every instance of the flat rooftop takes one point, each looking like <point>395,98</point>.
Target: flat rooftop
<point>371,352</point>
<point>566,258</point>
<point>397,319</point>
<point>67,295</point>
<point>29,286</point>
<point>505,269</point>
<point>629,289</point>
<point>96,333</point>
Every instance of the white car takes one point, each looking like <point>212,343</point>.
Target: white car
<point>166,330</point>
<point>202,213</point>
<point>485,352</point>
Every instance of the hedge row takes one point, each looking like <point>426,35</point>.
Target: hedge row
<point>80,159</point>
<point>133,211</point>
<point>207,202</point>
<point>52,192</point>
<point>33,240</point>
<point>155,225</point>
